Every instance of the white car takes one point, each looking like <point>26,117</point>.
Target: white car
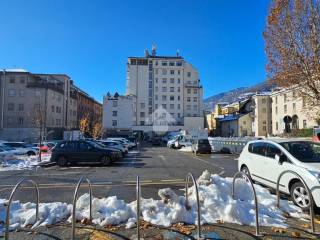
<point>6,154</point>
<point>264,160</point>
<point>22,147</point>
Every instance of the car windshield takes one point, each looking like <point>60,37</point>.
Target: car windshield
<point>304,151</point>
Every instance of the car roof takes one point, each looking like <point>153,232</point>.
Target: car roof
<point>282,140</point>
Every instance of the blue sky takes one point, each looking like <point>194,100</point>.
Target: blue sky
<point>91,40</point>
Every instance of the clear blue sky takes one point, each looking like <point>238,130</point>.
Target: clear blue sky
<point>91,40</point>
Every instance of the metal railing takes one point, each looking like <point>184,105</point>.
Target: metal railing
<point>198,201</point>
<point>138,196</point>
<point>6,236</point>
<point>238,174</point>
<point>75,201</point>
<point>308,191</point>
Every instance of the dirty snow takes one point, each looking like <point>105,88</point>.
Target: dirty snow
<point>186,149</point>
<point>23,162</point>
<point>216,204</point>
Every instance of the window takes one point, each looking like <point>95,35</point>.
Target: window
<point>285,97</point>
<point>195,91</point>
<point>264,110</point>
<point>276,110</point>
<point>171,106</point>
<point>258,148</point>
<point>171,80</point>
<point>285,108</point>
<point>264,122</point>
<point>164,80</point>
<point>142,114</point>
<point>114,123</point>
<point>179,80</point>
<point>164,106</point>
<point>114,113</point>
<point>21,107</point>
<point>264,128</point>
<point>21,93</point>
<point>10,106</point>
<point>188,90</point>
<point>179,63</point>
<point>22,79</point>
<point>276,99</point>
<point>58,122</point>
<point>156,106</point>
<point>12,93</point>
<point>156,80</point>
<point>195,107</point>
<point>294,106</point>
<point>142,105</point>
<point>171,89</point>
<point>20,121</point>
<point>52,108</point>
<point>171,63</point>
<point>189,74</point>
<point>156,71</point>
<point>164,89</point>
<point>142,123</point>
<point>188,99</point>
<point>12,80</point>
<point>171,98</point>
<point>189,107</point>
<point>156,97</point>
<point>156,89</point>
<point>164,98</point>
<point>172,72</point>
<point>178,98</point>
<point>178,89</point>
<point>164,71</point>
<point>179,115</point>
<point>304,122</point>
<point>164,63</point>
<point>277,126</point>
<point>57,109</point>
<point>178,106</point>
<point>115,103</point>
<point>272,150</point>
<point>195,99</point>
<point>156,63</point>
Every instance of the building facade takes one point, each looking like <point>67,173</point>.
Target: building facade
<point>262,125</point>
<point>288,103</point>
<point>30,101</point>
<point>117,113</point>
<point>169,82</point>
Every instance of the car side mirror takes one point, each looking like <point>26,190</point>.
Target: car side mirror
<point>280,158</point>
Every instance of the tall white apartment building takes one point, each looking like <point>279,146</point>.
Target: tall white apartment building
<point>168,82</point>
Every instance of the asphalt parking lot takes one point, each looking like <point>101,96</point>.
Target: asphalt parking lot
<point>157,167</point>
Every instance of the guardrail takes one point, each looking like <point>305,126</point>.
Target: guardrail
<point>75,201</point>
<point>238,174</point>
<point>198,202</point>
<point>6,236</point>
<point>308,191</point>
<point>229,145</point>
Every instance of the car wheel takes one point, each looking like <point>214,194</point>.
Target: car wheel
<point>246,171</point>
<point>300,195</point>
<point>62,161</point>
<point>105,161</point>
<point>30,153</point>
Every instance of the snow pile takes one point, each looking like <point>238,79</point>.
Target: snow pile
<point>23,162</point>
<point>216,203</point>
<point>186,149</point>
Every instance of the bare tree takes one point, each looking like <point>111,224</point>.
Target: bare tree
<point>292,37</point>
<point>39,118</point>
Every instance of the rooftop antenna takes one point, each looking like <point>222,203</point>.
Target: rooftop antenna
<point>178,53</point>
<point>154,49</point>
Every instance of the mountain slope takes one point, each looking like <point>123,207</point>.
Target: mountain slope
<point>236,95</point>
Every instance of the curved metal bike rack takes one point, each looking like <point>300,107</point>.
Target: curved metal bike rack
<point>138,196</point>
<point>238,174</point>
<point>75,200</point>
<point>309,194</point>
<point>198,201</point>
<point>6,236</point>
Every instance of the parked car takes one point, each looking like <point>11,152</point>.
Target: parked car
<point>264,160</point>
<point>116,145</point>
<point>180,141</point>
<point>6,154</point>
<point>71,152</point>
<point>23,147</point>
<point>156,141</point>
<point>11,150</point>
<point>201,146</point>
<point>124,141</point>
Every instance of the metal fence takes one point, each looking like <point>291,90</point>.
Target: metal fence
<point>138,201</point>
<point>232,145</point>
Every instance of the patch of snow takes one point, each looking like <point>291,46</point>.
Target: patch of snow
<point>16,70</point>
<point>215,199</point>
<point>186,149</point>
<point>23,162</point>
